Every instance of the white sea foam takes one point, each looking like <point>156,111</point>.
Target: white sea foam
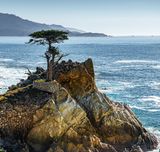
<point>30,63</point>
<point>144,108</point>
<point>153,110</point>
<point>106,90</point>
<point>151,101</point>
<point>156,67</point>
<point>156,150</point>
<point>136,107</point>
<point>9,76</point>
<point>136,61</point>
<point>156,132</point>
<point>151,98</point>
<point>155,85</point>
<point>113,87</point>
<point>6,60</point>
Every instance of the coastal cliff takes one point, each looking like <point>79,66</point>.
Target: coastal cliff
<point>68,114</point>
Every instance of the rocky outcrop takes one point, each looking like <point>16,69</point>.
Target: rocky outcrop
<point>68,114</point>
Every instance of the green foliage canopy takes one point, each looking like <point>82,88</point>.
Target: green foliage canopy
<point>48,37</point>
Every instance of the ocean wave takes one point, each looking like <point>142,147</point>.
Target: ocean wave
<point>153,110</point>
<point>107,90</point>
<point>114,88</point>
<point>155,85</point>
<point>156,67</point>
<point>136,61</point>
<point>6,60</point>
<point>109,87</point>
<point>10,76</point>
<point>151,98</point>
<point>31,63</point>
<point>136,107</point>
<point>155,99</point>
<point>148,109</point>
<point>156,132</point>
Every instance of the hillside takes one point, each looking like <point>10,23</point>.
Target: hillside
<point>12,25</point>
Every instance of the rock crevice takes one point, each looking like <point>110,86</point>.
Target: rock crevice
<point>68,114</point>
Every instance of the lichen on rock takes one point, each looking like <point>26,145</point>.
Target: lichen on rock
<point>68,114</point>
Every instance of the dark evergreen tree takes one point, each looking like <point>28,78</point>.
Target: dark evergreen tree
<point>50,38</point>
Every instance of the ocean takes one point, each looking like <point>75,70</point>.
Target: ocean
<point>127,69</point>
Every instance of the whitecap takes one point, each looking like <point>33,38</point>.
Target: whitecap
<point>156,67</point>
<point>30,63</point>
<point>144,108</point>
<point>155,85</point>
<point>156,132</point>
<point>136,107</point>
<point>106,90</point>
<point>151,98</point>
<point>135,61</point>
<point>40,63</point>
<point>153,110</point>
<point>113,87</point>
<point>154,99</point>
<point>6,60</point>
<point>10,76</point>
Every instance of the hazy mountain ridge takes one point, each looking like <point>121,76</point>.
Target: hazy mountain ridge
<point>12,25</point>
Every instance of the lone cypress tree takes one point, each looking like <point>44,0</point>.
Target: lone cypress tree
<point>49,37</point>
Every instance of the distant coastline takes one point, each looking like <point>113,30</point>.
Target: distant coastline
<point>12,25</point>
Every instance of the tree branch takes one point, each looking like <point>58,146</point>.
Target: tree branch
<point>29,72</point>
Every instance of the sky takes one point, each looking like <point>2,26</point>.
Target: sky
<point>112,17</point>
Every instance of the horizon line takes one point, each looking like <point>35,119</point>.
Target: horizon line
<point>66,26</point>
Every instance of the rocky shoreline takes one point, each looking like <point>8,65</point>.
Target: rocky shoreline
<point>68,114</point>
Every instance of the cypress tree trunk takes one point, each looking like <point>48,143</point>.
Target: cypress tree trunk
<point>50,69</point>
<point>47,68</point>
<point>48,59</point>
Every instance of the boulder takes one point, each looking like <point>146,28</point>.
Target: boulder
<point>69,114</point>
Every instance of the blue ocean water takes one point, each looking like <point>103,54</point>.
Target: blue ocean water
<point>127,69</point>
